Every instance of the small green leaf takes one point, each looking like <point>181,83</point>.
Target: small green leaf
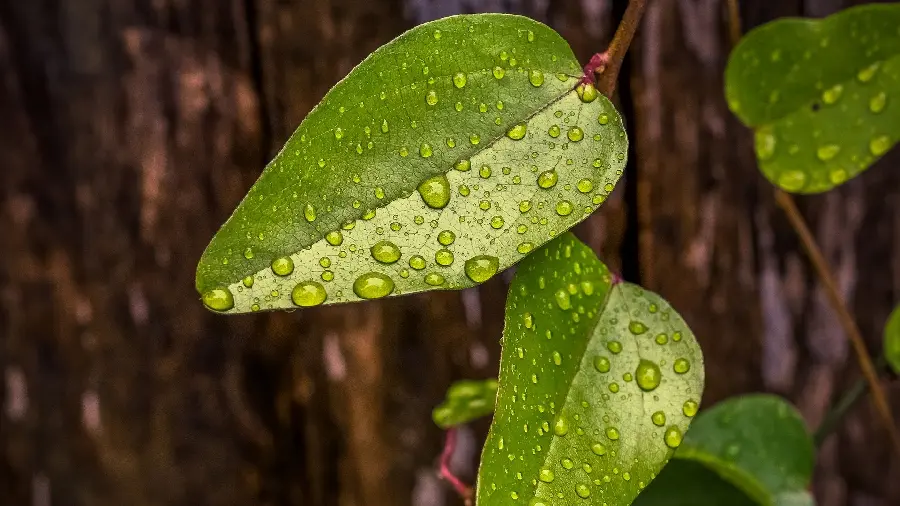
<point>892,340</point>
<point>444,157</point>
<point>687,483</point>
<point>822,95</point>
<point>467,400</point>
<point>759,443</point>
<point>598,382</point>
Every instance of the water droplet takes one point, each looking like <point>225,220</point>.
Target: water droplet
<point>582,490</point>
<point>373,285</point>
<point>283,266</point>
<point>459,80</point>
<point>425,150</point>
<point>546,475</point>
<point>444,257</point>
<point>248,253</point>
<point>446,237</point>
<point>681,365</point>
<point>833,94</point>
<point>567,463</point>
<point>385,252</point>
<point>877,103</point>
<point>880,145</point>
<point>499,72</point>
<point>764,142</point>
<point>435,191</point>
<point>334,238</point>
<point>327,276</point>
<point>248,281</point>
<point>658,418</point>
<point>561,427</point>
<point>673,436</point>
<point>218,299</point>
<point>458,107</point>
<point>484,171</point>
<point>431,97</point>
<point>547,179</point>
<point>602,364</point>
<point>585,185</point>
<point>614,387</point>
<point>517,132</point>
<point>325,262</point>
<point>437,35</point>
<point>564,208</point>
<point>603,119</point>
<point>562,299</point>
<point>434,279</point>
<point>557,358</point>
<point>792,180</point>
<point>689,408</point>
<point>648,375</point>
<point>536,78</point>
<point>586,92</point>
<point>474,139</point>
<point>525,206</point>
<point>525,247</point>
<point>338,133</point>
<point>598,449</point>
<point>308,294</point>
<point>614,346</point>
<point>575,134</point>
<point>530,36</point>
<point>481,268</point>
<point>827,152</point>
<point>612,433</point>
<point>865,75</point>
<point>554,131</point>
<point>497,222</point>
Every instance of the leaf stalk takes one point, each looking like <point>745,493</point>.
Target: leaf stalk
<point>610,62</point>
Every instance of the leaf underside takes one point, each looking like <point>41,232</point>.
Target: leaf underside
<point>758,443</point>
<point>823,96</point>
<point>688,483</point>
<point>590,404</point>
<point>421,170</point>
<point>467,400</point>
<point>892,340</point>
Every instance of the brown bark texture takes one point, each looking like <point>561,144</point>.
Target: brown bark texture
<point>130,129</point>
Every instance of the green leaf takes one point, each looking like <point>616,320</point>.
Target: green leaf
<point>444,157</point>
<point>822,95</point>
<point>687,483</point>
<point>467,400</point>
<point>597,382</point>
<point>759,443</point>
<point>892,340</point>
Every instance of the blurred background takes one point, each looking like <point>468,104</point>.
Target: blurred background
<point>130,129</point>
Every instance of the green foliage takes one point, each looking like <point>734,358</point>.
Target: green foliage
<point>822,95</point>
<point>466,400</point>
<point>598,383</point>
<point>892,340</point>
<point>446,156</point>
<point>759,443</point>
<point>689,483</point>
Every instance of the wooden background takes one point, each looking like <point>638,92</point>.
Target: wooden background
<point>129,130</point>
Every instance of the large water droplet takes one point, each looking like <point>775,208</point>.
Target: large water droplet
<point>536,78</point>
<point>614,346</point>
<point>334,238</point>
<point>575,134</point>
<point>690,408</point>
<point>417,262</point>
<point>599,449</point>
<point>373,285</point>
<point>446,237</point>
<point>585,185</point>
<point>562,299</point>
<point>658,418</point>
<point>546,475</point>
<point>547,179</point>
<point>612,433</point>
<point>637,327</point>
<point>517,132</point>
<point>648,375</point>
<point>564,208</point>
<point>434,279</point>
<point>308,294</point>
<point>435,191</point>
<point>481,268</point>
<point>283,266</point>
<point>385,252</point>
<point>582,490</point>
<point>673,436</point>
<point>586,92</point>
<point>218,299</point>
<point>561,426</point>
<point>602,364</point>
<point>444,257</point>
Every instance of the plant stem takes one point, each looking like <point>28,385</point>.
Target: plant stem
<point>608,73</point>
<point>837,413</point>
<point>846,319</point>
<point>461,488</point>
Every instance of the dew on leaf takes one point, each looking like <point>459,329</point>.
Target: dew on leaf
<point>517,132</point>
<point>877,103</point>
<point>308,294</point>
<point>547,179</point>
<point>499,72</point>
<point>459,80</point>
<point>444,257</point>
<point>536,78</point>
<point>586,92</point>
<point>546,475</point>
<point>792,180</point>
<point>435,191</point>
<point>827,152</point>
<point>575,134</point>
<point>497,222</point>
<point>833,94</point>
<point>612,433</point>
<point>446,237</point>
<point>673,436</point>
<point>248,281</point>
<point>385,252</point>
<point>602,364</point>
<point>373,285</point>
<point>764,142</point>
<point>658,418</point>
<point>218,299</point>
<point>690,408</point>
<point>582,490</point>
<point>525,247</point>
<point>614,346</point>
<point>283,266</point>
<point>481,268</point>
<point>564,208</point>
<point>681,365</point>
<point>880,145</point>
<point>648,375</point>
<point>425,150</point>
<point>585,185</point>
<point>417,262</point>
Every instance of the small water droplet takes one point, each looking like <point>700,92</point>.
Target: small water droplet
<point>563,300</point>
<point>658,418</point>
<point>434,279</point>
<point>833,94</point>
<point>865,75</point>
<point>218,299</point>
<point>334,238</point>
<point>575,134</point>
<point>648,375</point>
<point>497,222</point>
<point>792,180</point>
<point>561,427</point>
<point>673,436</point>
<point>536,78</point>
<point>602,364</point>
<point>248,281</point>
<point>582,490</point>
<point>564,208</point>
<point>599,449</point>
<point>880,145</point>
<point>481,268</point>
<point>308,294</point>
<point>603,119</point>
<point>764,142</point>
<point>827,152</point>
<point>585,185</point>
<point>248,253</point>
<point>283,266</point>
<point>614,346</point>
<point>525,247</point>
<point>373,285</point>
<point>567,463</point>
<point>689,408</point>
<point>435,191</point>
<point>338,133</point>
<point>547,179</point>
<point>681,365</point>
<point>517,132</point>
<point>385,252</point>
<point>431,97</point>
<point>443,257</point>
<point>612,433</point>
<point>499,72</point>
<point>877,102</point>
<point>425,150</point>
<point>459,80</point>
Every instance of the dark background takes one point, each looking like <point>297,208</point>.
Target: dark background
<point>130,129</point>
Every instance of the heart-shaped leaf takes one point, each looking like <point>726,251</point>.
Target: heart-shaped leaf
<point>444,157</point>
<point>822,95</point>
<point>688,483</point>
<point>598,382</point>
<point>467,400</point>
<point>892,340</point>
<point>759,443</point>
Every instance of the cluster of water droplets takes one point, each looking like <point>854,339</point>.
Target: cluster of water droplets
<point>636,359</point>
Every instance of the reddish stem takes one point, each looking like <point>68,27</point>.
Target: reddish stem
<point>595,67</point>
<point>462,489</point>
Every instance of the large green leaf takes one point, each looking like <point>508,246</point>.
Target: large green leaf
<point>688,483</point>
<point>466,400</point>
<point>759,443</point>
<point>822,95</point>
<point>445,156</point>
<point>598,382</point>
<point>892,340</point>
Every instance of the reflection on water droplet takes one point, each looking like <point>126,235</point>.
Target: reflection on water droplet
<point>563,300</point>
<point>602,364</point>
<point>547,179</point>
<point>385,252</point>
<point>689,408</point>
<point>614,346</point>
<point>373,285</point>
<point>334,238</point>
<point>586,92</point>
<point>648,375</point>
<point>658,418</point>
<point>248,281</point>
<point>612,433</point>
<point>308,294</point>
<point>582,490</point>
<point>481,268</point>
<point>575,134</point>
<point>435,191</point>
<point>564,208</point>
<point>585,185</point>
<point>443,257</point>
<point>218,299</point>
<point>417,262</point>
<point>499,72</point>
<point>598,449</point>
